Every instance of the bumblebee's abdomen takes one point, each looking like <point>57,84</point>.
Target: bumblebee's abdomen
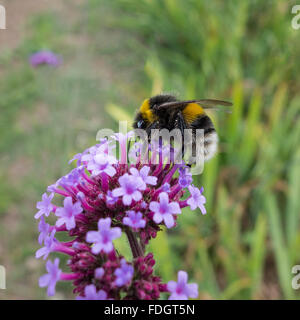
<point>191,112</point>
<point>210,135</point>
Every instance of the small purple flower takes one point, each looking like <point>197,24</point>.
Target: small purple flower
<point>49,243</point>
<point>68,213</point>
<point>181,290</point>
<point>45,57</point>
<point>185,177</point>
<point>49,280</point>
<point>196,200</point>
<point>134,220</point>
<point>90,293</point>
<point>71,178</point>
<point>144,174</point>
<point>99,161</point>
<point>166,187</point>
<point>102,239</point>
<point>99,272</point>
<point>163,210</point>
<point>110,199</point>
<point>123,274</point>
<point>130,189</point>
<point>45,206</point>
<point>44,229</point>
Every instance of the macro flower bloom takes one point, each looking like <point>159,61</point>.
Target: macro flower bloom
<point>144,174</point>
<point>134,220</point>
<point>181,290</point>
<point>68,213</point>
<point>44,229</point>
<point>185,177</point>
<point>102,239</point>
<point>45,57</point>
<point>45,206</point>
<point>49,242</point>
<point>104,197</point>
<point>49,280</point>
<point>90,293</point>
<point>124,274</point>
<point>130,189</point>
<point>197,200</point>
<point>164,210</point>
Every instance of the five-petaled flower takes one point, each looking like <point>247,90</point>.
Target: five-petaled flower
<point>164,210</point>
<point>102,239</point>
<point>124,273</point>
<point>134,220</point>
<point>181,290</point>
<point>49,280</point>
<point>99,161</point>
<point>68,213</point>
<point>144,174</point>
<point>196,200</point>
<point>44,229</point>
<point>45,206</point>
<point>185,177</point>
<point>130,187</point>
<point>90,293</point>
<point>49,244</point>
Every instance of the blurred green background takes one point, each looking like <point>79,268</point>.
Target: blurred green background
<point>116,53</point>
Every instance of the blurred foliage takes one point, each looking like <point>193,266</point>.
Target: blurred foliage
<point>116,53</point>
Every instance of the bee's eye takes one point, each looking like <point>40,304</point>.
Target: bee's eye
<point>140,123</point>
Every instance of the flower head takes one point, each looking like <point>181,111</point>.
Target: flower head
<point>45,206</point>
<point>197,200</point>
<point>181,290</point>
<point>49,280</point>
<point>45,57</point>
<point>164,210</point>
<point>102,198</point>
<point>68,213</point>
<point>102,239</point>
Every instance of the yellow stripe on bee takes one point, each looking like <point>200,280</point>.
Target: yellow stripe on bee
<point>146,111</point>
<point>191,112</point>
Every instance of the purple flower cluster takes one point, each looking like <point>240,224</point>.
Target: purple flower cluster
<point>103,198</point>
<point>45,57</point>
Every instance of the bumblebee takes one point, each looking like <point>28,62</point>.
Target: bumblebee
<point>166,112</point>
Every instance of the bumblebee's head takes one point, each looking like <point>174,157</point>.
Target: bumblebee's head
<point>149,110</point>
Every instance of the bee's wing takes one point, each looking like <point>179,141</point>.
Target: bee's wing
<point>204,103</point>
<point>213,104</point>
<point>208,103</point>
